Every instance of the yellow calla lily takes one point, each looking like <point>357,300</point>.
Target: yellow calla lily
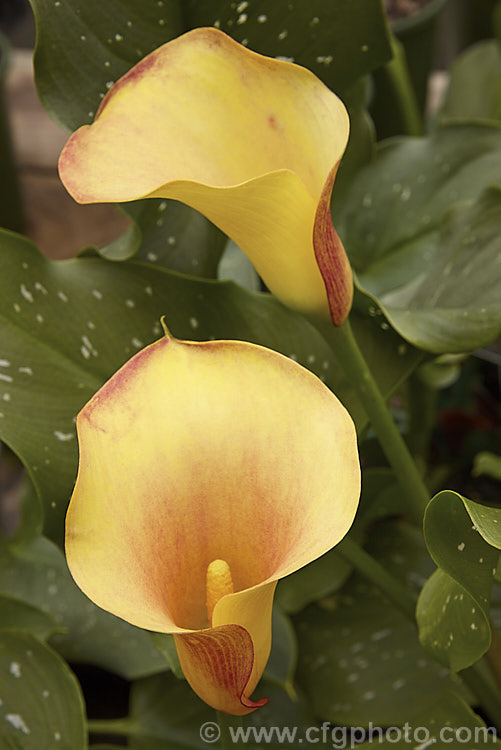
<point>207,472</point>
<point>251,142</point>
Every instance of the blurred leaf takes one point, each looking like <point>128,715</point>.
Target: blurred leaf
<point>361,147</point>
<point>381,496</point>
<point>282,663</point>
<point>453,607</point>
<point>166,644</point>
<point>449,715</point>
<point>235,266</point>
<point>475,84</point>
<point>434,272</point>
<point>124,247</point>
<point>31,515</point>
<point>36,573</point>
<point>42,705</point>
<point>69,325</point>
<point>83,48</point>
<point>167,715</point>
<point>487,464</point>
<point>15,613</point>
<point>441,372</point>
<point>311,583</point>
<point>360,660</point>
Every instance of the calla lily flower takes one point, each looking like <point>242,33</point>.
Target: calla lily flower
<point>251,142</point>
<point>207,472</point>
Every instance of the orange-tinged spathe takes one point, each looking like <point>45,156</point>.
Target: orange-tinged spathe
<point>251,142</point>
<point>201,452</point>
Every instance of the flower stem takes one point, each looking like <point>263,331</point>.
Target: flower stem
<point>488,695</point>
<point>120,727</point>
<point>346,349</point>
<point>397,73</point>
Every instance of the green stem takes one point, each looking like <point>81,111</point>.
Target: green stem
<point>351,359</point>
<point>399,79</point>
<point>489,697</point>
<point>124,727</point>
<point>374,572</point>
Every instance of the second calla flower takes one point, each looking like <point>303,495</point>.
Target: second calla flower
<point>251,142</point>
<point>208,472</point>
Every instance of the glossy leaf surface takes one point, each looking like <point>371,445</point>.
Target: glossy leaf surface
<point>420,225</point>
<point>453,607</point>
<point>42,706</point>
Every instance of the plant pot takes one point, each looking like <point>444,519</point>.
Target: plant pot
<point>11,211</point>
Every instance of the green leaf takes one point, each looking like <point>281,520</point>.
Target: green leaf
<point>174,236</point>
<point>42,706</point>
<point>83,48</point>
<point>433,271</point>
<point>475,84</point>
<point>359,658</point>
<point>16,613</point>
<point>36,572</point>
<point>165,712</point>
<point>453,607</point>
<point>487,521</point>
<point>453,624</point>
<point>446,725</point>
<point>361,148</point>
<point>59,347</point>
<point>167,715</point>
<point>339,41</point>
